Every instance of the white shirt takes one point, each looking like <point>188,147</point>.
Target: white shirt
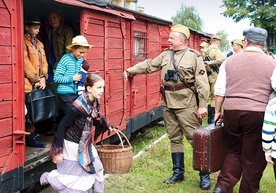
<point>220,86</point>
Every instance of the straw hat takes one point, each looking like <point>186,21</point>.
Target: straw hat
<point>79,41</point>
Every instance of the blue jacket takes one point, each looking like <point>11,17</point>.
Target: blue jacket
<point>67,67</point>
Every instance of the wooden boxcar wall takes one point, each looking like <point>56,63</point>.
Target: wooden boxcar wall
<point>12,133</point>
<point>144,88</point>
<point>112,52</point>
<point>110,37</point>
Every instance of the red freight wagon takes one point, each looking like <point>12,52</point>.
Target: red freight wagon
<point>121,38</point>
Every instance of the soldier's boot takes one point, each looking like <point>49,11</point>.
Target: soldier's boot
<point>211,114</point>
<point>178,169</point>
<point>205,182</point>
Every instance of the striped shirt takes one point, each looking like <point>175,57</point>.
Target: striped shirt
<point>269,129</point>
<point>67,67</point>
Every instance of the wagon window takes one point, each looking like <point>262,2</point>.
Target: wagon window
<point>139,49</point>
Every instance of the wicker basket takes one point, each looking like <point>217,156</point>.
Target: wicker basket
<point>116,159</point>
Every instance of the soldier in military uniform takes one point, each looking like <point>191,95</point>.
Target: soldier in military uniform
<point>204,49</point>
<point>181,113</point>
<point>212,67</point>
<point>237,46</point>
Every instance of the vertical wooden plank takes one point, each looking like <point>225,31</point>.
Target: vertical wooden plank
<point>11,76</point>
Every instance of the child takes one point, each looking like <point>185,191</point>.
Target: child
<point>269,133</point>
<point>79,168</point>
<point>35,69</point>
<point>66,74</point>
<point>83,73</point>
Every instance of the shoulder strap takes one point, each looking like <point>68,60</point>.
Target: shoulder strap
<point>196,52</point>
<point>176,70</point>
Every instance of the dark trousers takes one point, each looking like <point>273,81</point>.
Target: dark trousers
<point>66,101</point>
<point>246,159</point>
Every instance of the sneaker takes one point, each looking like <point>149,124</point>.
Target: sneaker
<point>33,142</point>
<point>34,135</point>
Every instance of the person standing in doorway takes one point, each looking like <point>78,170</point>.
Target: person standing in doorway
<point>35,69</point>
<point>67,73</point>
<point>57,35</point>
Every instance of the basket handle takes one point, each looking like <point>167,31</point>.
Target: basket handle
<point>118,132</point>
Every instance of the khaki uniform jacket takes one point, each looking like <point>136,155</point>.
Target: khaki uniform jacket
<point>216,59</point>
<point>190,65</point>
<point>62,38</point>
<point>34,58</point>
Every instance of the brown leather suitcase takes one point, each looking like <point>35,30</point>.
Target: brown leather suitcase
<point>209,148</point>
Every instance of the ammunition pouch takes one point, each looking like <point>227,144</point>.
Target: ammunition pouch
<point>162,92</point>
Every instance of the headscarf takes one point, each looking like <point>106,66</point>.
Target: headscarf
<point>85,156</point>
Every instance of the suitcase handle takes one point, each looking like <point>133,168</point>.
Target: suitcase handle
<point>218,123</point>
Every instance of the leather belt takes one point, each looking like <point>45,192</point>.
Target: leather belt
<point>178,87</point>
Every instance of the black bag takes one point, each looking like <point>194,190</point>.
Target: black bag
<point>41,105</point>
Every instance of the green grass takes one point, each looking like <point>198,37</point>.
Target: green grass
<point>150,169</point>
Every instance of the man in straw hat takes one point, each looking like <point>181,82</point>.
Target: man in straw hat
<point>244,98</point>
<point>182,69</point>
<point>66,75</point>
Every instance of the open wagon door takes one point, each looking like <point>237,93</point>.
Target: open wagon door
<point>109,36</point>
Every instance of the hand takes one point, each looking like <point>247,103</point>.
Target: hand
<point>269,159</point>
<point>77,77</point>
<point>57,159</point>
<point>201,113</point>
<point>207,63</point>
<point>126,74</point>
<point>110,127</point>
<point>219,116</point>
<point>42,83</point>
<point>37,85</point>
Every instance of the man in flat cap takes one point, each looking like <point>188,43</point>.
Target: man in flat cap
<point>244,84</point>
<point>182,73</point>
<point>216,58</point>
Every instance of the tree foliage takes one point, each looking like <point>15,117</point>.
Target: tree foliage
<point>224,43</point>
<point>262,13</point>
<point>189,17</point>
